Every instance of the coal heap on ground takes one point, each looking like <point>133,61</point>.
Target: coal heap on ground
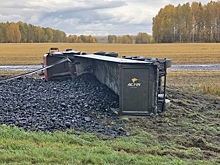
<point>83,104</point>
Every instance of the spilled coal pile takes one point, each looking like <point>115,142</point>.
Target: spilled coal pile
<point>83,104</point>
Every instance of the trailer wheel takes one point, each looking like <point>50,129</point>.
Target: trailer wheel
<point>100,53</point>
<point>111,54</point>
<point>84,53</point>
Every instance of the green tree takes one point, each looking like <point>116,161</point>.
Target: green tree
<point>72,38</point>
<point>30,34</point>
<point>197,21</point>
<point>164,25</point>
<point>157,34</point>
<point>82,38</point>
<point>185,23</point>
<point>209,20</point>
<point>112,39</point>
<point>216,23</point>
<point>48,34</point>
<point>59,36</point>
<point>91,39</point>
<point>3,33</point>
<point>23,30</point>
<point>14,34</point>
<point>188,26</point>
<point>142,38</point>
<point>39,34</point>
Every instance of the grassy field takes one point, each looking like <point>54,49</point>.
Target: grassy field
<point>187,133</point>
<point>179,53</point>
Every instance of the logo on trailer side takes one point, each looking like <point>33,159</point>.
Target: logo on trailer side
<point>134,83</point>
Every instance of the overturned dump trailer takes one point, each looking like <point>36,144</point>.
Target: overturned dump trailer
<point>61,61</point>
<point>140,82</point>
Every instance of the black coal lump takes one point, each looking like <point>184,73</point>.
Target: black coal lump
<point>83,104</point>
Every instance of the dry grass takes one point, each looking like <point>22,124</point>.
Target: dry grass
<point>12,54</point>
<point>186,78</point>
<point>206,81</point>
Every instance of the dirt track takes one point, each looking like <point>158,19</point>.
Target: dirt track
<point>196,67</point>
<point>189,67</point>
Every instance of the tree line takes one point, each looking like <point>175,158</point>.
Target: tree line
<point>26,33</point>
<point>140,38</point>
<point>187,23</point>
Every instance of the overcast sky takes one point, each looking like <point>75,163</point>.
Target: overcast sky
<point>94,17</point>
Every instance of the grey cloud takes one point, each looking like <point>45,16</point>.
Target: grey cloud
<point>84,17</point>
<point>87,16</point>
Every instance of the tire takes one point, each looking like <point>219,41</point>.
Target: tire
<point>111,54</point>
<point>100,53</point>
<point>84,53</point>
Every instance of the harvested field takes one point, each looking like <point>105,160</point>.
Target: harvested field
<point>205,81</point>
<point>188,132</point>
<point>11,54</point>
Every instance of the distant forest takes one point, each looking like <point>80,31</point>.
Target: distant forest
<point>183,23</point>
<point>188,23</point>
<point>26,33</point>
